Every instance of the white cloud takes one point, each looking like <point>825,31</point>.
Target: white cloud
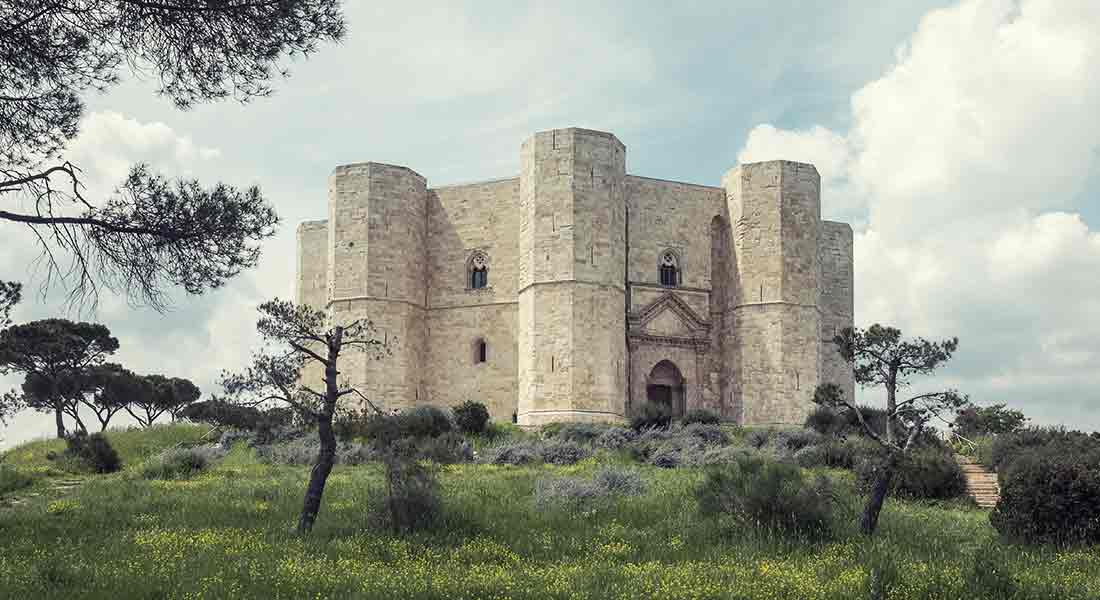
<point>967,153</point>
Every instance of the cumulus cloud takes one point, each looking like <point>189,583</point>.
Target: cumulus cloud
<point>967,154</point>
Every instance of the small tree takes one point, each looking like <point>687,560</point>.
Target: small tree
<point>973,421</point>
<point>55,355</point>
<point>161,395</point>
<point>10,293</point>
<point>880,357</point>
<point>297,336</point>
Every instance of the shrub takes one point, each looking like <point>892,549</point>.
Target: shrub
<point>874,416</point>
<point>424,421</point>
<point>708,433</point>
<point>229,438</point>
<point>1048,496</point>
<point>304,450</point>
<point>796,440</point>
<point>619,480</point>
<point>774,495</point>
<point>1008,447</point>
<point>511,453</point>
<point>810,457</point>
<point>412,498</point>
<point>578,493</point>
<point>826,421</point>
<point>93,452</point>
<point>838,454</point>
<point>446,449</point>
<point>651,414</point>
<point>560,452</point>
<point>758,438</point>
<point>174,463</point>
<point>924,474</point>
<point>581,433</point>
<point>983,451</point>
<point>471,417</point>
<point>614,438</point>
<point>700,415</point>
<point>717,455</point>
<point>226,414</point>
<point>12,479</point>
<point>350,423</point>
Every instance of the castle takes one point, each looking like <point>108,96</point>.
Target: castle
<point>576,292</point>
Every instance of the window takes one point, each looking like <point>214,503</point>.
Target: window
<point>481,351</point>
<point>478,271</point>
<point>669,269</point>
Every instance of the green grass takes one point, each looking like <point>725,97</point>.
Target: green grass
<point>228,534</point>
<point>133,445</point>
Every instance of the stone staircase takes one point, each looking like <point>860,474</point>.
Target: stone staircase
<point>980,483</point>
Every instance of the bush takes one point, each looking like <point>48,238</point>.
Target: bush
<point>471,417</point>
<point>826,421</point>
<point>226,414</point>
<point>700,415</point>
<point>614,438</point>
<point>770,494</point>
<point>973,421</point>
<point>758,438</point>
<point>412,498</point>
<point>424,421</point>
<point>708,433</point>
<point>229,438</point>
<point>796,440</point>
<point>1048,496</point>
<point>511,453</point>
<point>577,493</point>
<point>93,452</point>
<point>923,474</point>
<point>350,423</point>
<point>446,449</point>
<point>303,451</point>
<point>619,480</point>
<point>649,415</point>
<point>175,463</point>
<point>1007,447</point>
<point>560,452</point>
<point>581,433</point>
<point>810,457</point>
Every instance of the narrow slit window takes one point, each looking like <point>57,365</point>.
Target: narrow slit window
<point>481,352</point>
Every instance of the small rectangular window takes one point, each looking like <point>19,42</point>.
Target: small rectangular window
<point>482,351</point>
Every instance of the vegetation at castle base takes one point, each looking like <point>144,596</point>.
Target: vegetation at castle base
<point>605,527</point>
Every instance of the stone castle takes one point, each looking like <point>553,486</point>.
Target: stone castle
<point>577,292</point>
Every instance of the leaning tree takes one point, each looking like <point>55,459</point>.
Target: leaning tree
<point>297,337</point>
<point>54,356</point>
<point>881,357</point>
<point>152,232</point>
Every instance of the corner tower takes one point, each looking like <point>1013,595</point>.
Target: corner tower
<point>377,259</point>
<point>775,212</point>
<point>572,268</point>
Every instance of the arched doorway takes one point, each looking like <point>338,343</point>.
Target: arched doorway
<point>665,385</point>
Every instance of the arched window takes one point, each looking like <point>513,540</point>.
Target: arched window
<point>481,351</point>
<point>669,269</point>
<point>478,270</point>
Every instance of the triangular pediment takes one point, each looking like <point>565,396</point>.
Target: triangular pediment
<point>668,316</point>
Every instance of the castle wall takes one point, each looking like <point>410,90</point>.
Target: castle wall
<point>836,301</point>
<point>311,274</point>
<point>462,219</point>
<point>776,211</point>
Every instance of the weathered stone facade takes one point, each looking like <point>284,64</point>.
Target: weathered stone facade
<point>596,290</point>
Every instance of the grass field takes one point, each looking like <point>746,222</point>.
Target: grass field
<point>228,534</point>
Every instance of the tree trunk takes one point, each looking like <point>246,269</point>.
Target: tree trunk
<point>319,475</point>
<point>869,521</point>
<point>327,454</point>
<point>60,423</point>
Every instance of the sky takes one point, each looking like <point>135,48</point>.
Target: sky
<point>960,140</point>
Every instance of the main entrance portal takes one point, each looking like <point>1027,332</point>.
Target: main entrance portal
<point>665,385</point>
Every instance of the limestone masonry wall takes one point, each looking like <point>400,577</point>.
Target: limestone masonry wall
<point>576,321</point>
